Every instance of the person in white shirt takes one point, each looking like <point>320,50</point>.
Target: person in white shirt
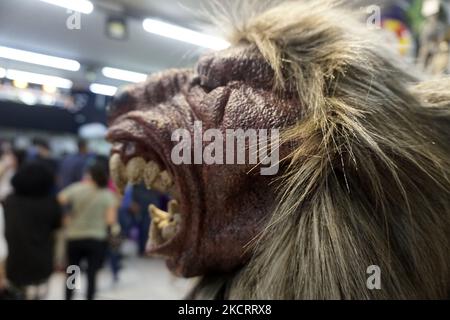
<point>9,162</point>
<point>3,250</point>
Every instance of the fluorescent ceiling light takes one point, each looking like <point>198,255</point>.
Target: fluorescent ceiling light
<point>124,75</point>
<point>40,59</point>
<point>105,90</point>
<point>183,34</point>
<point>430,7</point>
<point>20,84</point>
<point>82,6</point>
<point>38,79</point>
<point>2,73</point>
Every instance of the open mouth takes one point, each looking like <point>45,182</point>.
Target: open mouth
<point>134,161</point>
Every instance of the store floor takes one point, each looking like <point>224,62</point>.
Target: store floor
<point>140,279</point>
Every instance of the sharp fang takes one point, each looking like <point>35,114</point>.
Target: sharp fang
<point>169,231</point>
<point>154,234</point>
<point>163,182</point>
<point>165,225</point>
<point>150,173</point>
<point>134,169</point>
<point>157,214</point>
<point>117,170</point>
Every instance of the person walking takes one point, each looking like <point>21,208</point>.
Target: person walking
<point>73,166</point>
<point>92,211</point>
<point>32,215</point>
<point>3,252</point>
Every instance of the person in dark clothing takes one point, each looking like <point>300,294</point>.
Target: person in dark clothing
<point>141,199</point>
<point>42,153</point>
<point>32,215</point>
<point>73,166</point>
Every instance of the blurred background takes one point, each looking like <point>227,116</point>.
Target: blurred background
<point>61,61</point>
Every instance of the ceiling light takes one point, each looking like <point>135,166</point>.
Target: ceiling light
<point>105,90</point>
<point>49,89</point>
<point>20,84</point>
<point>116,28</point>
<point>430,7</point>
<point>38,79</point>
<point>40,59</point>
<point>82,6</point>
<point>124,75</point>
<point>2,73</point>
<point>183,34</point>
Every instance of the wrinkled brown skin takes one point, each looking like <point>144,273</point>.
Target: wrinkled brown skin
<point>223,206</point>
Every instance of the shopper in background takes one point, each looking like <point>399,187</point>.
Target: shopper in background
<point>141,199</point>
<point>3,252</point>
<point>7,164</point>
<point>92,212</point>
<point>73,166</point>
<point>41,152</point>
<point>32,215</point>
<point>10,161</point>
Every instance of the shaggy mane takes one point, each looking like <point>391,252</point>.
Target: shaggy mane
<point>368,177</point>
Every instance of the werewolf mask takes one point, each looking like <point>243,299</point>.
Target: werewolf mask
<point>364,170</point>
<point>219,207</point>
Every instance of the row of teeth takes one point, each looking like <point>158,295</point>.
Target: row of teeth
<point>138,170</point>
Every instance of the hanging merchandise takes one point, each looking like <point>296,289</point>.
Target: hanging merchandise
<point>395,22</point>
<point>420,29</point>
<point>434,38</point>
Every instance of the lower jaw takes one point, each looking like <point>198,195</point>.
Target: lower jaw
<point>184,267</point>
<point>155,246</point>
